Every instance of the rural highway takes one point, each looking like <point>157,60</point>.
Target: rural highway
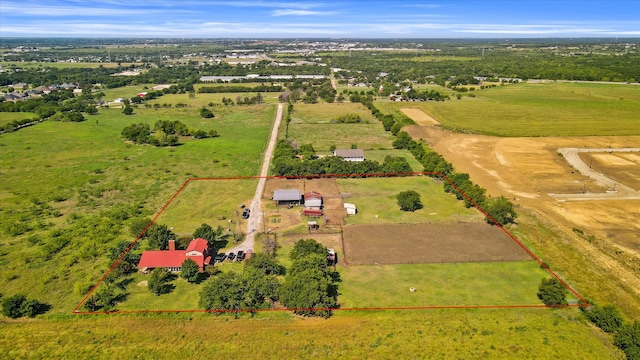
<point>572,155</point>
<point>255,218</point>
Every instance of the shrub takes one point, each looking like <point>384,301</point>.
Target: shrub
<point>409,201</point>
<point>552,292</point>
<point>607,317</point>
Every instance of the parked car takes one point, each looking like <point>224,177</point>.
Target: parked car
<point>245,213</point>
<point>220,257</point>
<point>231,256</point>
<point>240,256</point>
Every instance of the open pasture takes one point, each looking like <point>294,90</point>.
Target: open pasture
<point>457,284</point>
<point>313,123</point>
<point>376,201</point>
<point>541,109</point>
<point>7,117</point>
<point>429,243</point>
<point>214,202</point>
<point>63,180</point>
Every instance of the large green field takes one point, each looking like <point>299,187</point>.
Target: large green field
<point>465,284</point>
<point>7,117</point>
<point>441,334</point>
<point>543,109</point>
<point>312,123</point>
<point>376,201</point>
<point>70,190</point>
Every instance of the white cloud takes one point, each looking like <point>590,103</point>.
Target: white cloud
<point>286,12</point>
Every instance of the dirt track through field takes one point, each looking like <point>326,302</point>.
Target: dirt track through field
<point>621,192</point>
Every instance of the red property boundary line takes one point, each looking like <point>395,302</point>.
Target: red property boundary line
<point>582,301</point>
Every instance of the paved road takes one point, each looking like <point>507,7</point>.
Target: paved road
<point>255,219</point>
<point>572,155</point>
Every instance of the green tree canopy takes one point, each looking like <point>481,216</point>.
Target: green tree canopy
<point>409,200</point>
<point>607,317</point>
<point>306,247</point>
<point>189,270</point>
<point>158,283</point>
<point>222,292</point>
<point>159,236</point>
<point>501,210</point>
<point>627,339</point>
<point>265,262</point>
<point>552,292</point>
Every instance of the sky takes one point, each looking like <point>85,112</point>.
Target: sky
<point>320,19</point>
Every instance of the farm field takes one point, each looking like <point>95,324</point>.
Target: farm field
<point>528,169</point>
<point>376,201</point>
<point>429,243</point>
<point>540,109</point>
<point>82,186</point>
<point>312,123</point>
<point>483,333</point>
<point>213,202</point>
<point>461,284</point>
<point>7,117</point>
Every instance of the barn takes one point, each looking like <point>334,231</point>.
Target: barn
<point>287,197</point>
<point>313,200</point>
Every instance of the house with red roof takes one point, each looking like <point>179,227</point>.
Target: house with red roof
<point>172,259</point>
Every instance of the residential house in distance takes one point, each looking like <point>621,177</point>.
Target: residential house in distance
<point>350,154</point>
<point>172,259</point>
<point>287,197</point>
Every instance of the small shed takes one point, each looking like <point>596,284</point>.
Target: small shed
<point>287,197</point>
<point>351,208</point>
<point>312,225</point>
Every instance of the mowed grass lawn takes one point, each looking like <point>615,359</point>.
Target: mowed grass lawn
<point>544,109</point>
<point>498,283</point>
<point>312,123</point>
<point>213,202</point>
<point>375,199</point>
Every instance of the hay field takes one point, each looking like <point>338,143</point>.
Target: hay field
<point>542,109</point>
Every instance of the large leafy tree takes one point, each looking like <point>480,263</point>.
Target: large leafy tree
<point>501,210</point>
<point>223,292</point>
<point>309,287</point>
<point>266,263</point>
<point>159,236</point>
<point>159,281</point>
<point>552,292</point>
<point>189,270</point>
<point>409,200</point>
<point>306,247</point>
<point>215,238</point>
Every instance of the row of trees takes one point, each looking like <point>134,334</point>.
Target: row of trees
<point>287,162</point>
<point>309,286</point>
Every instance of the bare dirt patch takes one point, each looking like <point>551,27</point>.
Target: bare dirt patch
<point>420,117</point>
<point>621,167</point>
<point>429,243</point>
